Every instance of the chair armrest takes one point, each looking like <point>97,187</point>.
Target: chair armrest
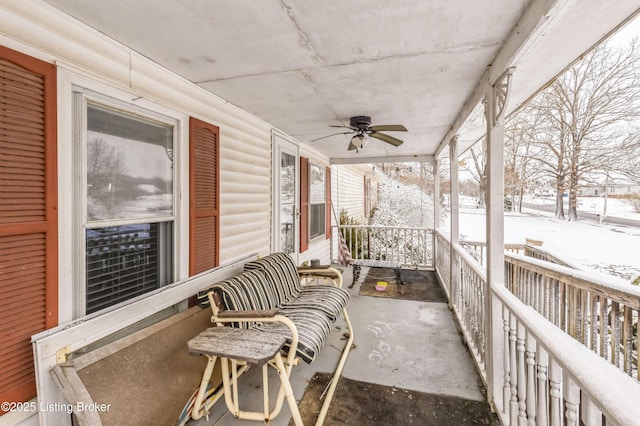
<point>313,268</point>
<point>254,314</point>
<point>323,271</point>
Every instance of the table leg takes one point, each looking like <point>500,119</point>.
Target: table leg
<point>356,275</point>
<point>398,276</point>
<point>199,405</point>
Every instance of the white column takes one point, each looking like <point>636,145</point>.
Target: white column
<point>495,105</point>
<point>436,194</point>
<point>455,222</point>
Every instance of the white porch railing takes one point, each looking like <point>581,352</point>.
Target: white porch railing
<point>534,372</point>
<point>599,312</point>
<point>411,246</point>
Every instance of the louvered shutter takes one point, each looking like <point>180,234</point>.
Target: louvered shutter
<point>204,189</point>
<point>28,216</point>
<point>304,204</point>
<point>328,207</point>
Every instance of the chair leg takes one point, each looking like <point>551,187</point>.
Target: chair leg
<point>288,391</point>
<point>337,373</point>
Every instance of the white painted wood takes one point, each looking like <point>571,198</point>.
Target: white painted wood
<point>80,333</point>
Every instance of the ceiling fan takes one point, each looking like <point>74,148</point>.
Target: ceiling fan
<point>361,128</point>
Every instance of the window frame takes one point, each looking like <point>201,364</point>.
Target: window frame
<point>81,98</point>
<point>321,232</point>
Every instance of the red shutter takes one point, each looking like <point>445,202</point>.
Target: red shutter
<point>304,204</point>
<point>28,216</point>
<point>204,198</point>
<point>328,207</point>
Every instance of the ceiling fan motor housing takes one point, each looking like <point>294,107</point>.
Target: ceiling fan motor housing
<point>361,122</point>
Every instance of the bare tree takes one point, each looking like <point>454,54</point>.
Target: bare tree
<point>583,120</point>
<point>520,150</point>
<point>474,161</point>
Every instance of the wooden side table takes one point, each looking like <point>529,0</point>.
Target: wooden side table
<point>252,347</point>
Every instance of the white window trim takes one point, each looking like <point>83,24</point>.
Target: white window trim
<point>321,235</point>
<point>69,273</point>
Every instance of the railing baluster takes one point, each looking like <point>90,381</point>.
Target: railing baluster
<point>555,396</point>
<point>615,334</point>
<point>604,347</point>
<point>627,340</point>
<point>542,417</point>
<point>506,388</point>
<point>562,307</point>
<point>531,379</point>
<point>522,370</point>
<point>593,322</point>
<point>513,368</point>
<point>591,415</point>
<point>571,400</point>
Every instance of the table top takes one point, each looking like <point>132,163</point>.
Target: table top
<point>254,347</point>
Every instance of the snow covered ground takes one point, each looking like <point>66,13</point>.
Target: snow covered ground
<point>610,249</point>
<point>616,207</point>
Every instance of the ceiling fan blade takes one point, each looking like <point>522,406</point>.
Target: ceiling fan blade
<point>389,128</point>
<point>386,138</point>
<point>328,136</point>
<point>346,127</point>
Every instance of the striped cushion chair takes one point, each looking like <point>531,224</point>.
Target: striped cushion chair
<point>282,272</point>
<point>250,291</point>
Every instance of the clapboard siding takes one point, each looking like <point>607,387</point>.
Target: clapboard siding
<point>245,197</point>
<point>350,190</point>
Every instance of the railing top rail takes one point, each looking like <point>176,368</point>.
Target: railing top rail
<point>579,361</point>
<point>419,228</point>
<point>591,280</point>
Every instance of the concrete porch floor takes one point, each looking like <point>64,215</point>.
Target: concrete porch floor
<point>405,344</point>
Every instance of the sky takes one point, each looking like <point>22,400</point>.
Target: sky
<point>626,34</point>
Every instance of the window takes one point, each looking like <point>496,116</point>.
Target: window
<point>127,203</point>
<point>317,201</point>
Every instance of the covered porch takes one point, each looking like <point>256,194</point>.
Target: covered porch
<point>280,81</point>
<point>411,348</point>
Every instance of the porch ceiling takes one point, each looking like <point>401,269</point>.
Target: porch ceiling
<point>304,65</point>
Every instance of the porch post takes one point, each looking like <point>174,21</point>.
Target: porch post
<point>454,270</point>
<point>436,208</point>
<point>494,108</point>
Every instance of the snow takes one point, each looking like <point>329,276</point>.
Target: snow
<point>616,207</point>
<point>605,248</point>
<point>594,247</point>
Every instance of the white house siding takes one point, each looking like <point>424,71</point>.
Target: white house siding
<point>349,187</point>
<point>245,194</point>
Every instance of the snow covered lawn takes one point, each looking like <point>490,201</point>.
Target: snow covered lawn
<point>610,249</point>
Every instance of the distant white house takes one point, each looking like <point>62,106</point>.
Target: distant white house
<point>617,190</point>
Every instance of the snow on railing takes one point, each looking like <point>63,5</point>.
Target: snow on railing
<point>534,372</point>
<point>411,246</point>
<point>542,376</point>
<point>478,249</point>
<point>598,311</point>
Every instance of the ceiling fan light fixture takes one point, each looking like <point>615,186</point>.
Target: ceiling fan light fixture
<point>359,141</point>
